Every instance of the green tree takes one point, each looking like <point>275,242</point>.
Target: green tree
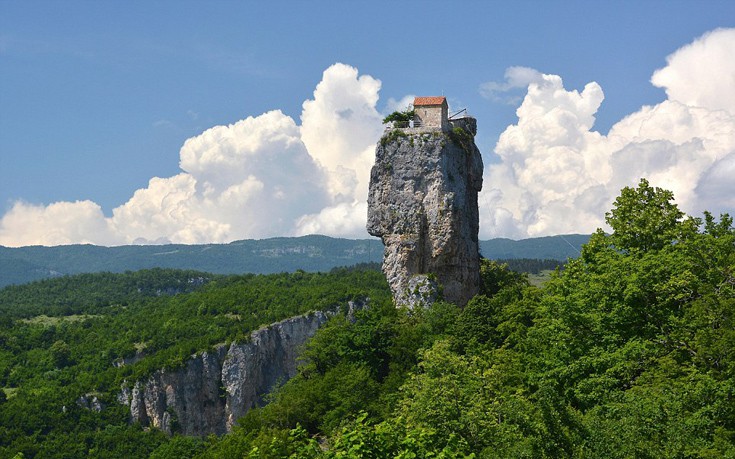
<point>179,447</point>
<point>495,276</point>
<point>644,218</point>
<point>60,354</point>
<point>400,116</point>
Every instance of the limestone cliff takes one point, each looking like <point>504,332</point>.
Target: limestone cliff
<point>213,389</point>
<point>422,203</point>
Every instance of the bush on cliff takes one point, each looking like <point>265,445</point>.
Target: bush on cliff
<point>400,116</point>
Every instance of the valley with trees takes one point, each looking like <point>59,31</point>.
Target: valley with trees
<point>628,351</point>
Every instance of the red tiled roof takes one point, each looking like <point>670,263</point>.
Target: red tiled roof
<point>429,101</point>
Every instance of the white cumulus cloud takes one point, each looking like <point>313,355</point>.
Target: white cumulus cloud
<point>259,177</point>
<point>268,175</point>
<point>251,179</point>
<point>557,175</point>
<point>340,127</point>
<point>60,223</point>
<point>702,74</point>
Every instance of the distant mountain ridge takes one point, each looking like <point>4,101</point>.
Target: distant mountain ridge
<point>282,254</point>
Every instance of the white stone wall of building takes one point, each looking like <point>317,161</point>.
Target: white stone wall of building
<point>434,116</point>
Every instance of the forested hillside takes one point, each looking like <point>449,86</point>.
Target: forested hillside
<point>627,352</point>
<point>66,338</point>
<point>267,256</point>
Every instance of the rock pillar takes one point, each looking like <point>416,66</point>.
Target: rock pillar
<point>422,203</point>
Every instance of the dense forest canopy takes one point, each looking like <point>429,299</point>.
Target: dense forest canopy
<point>627,352</point>
<point>61,337</point>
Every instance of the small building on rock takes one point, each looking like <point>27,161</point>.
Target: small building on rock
<point>431,112</point>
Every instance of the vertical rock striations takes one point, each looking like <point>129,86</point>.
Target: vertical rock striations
<point>422,203</point>
<point>251,370</point>
<point>189,400</point>
<point>215,388</point>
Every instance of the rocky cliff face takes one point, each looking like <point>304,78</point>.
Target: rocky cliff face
<point>215,388</point>
<point>422,203</point>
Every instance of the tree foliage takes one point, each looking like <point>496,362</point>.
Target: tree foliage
<point>67,337</point>
<point>644,218</point>
<point>400,116</point>
<point>629,351</point>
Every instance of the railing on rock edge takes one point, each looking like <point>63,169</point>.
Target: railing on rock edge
<point>404,124</point>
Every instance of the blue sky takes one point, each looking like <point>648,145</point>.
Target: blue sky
<point>98,98</point>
